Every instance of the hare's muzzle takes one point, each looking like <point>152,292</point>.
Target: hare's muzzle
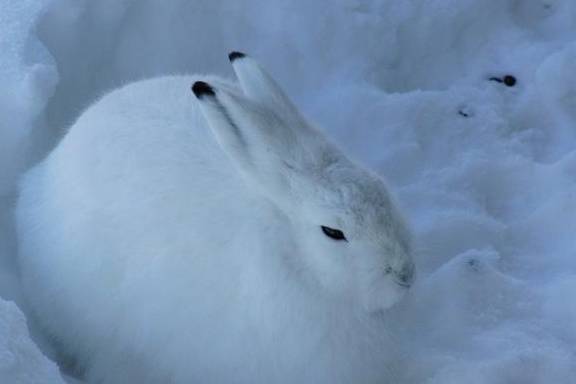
<point>405,277</point>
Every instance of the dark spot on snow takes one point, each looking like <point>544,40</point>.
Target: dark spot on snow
<point>507,80</point>
<point>465,111</point>
<point>473,264</point>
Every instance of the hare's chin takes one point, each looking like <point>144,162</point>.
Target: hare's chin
<point>385,299</point>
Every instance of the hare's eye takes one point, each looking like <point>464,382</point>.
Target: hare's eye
<point>332,233</point>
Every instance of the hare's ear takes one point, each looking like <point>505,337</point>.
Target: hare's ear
<point>256,140</point>
<point>259,86</point>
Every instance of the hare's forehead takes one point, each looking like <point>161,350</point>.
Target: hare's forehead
<point>356,202</point>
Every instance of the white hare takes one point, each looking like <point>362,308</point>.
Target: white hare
<point>211,239</point>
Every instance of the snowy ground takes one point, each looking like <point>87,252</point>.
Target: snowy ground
<point>485,172</point>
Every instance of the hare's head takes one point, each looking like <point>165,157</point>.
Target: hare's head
<point>352,240</point>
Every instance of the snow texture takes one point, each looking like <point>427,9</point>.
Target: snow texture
<point>27,76</point>
<point>21,362</point>
<point>486,173</point>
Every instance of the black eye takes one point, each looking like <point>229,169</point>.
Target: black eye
<point>332,233</point>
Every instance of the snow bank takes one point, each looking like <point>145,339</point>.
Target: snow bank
<point>486,172</point>
<point>27,78</point>
<point>20,360</point>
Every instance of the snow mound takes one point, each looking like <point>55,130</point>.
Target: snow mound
<point>21,362</point>
<point>27,77</point>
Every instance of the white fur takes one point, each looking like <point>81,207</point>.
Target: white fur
<point>170,239</point>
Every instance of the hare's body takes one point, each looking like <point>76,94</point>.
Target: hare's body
<point>151,257</point>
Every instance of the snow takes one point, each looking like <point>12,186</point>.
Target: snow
<point>486,173</point>
<point>27,76</point>
<point>21,362</point>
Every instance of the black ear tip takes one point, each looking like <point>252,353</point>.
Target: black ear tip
<point>202,89</point>
<point>235,56</point>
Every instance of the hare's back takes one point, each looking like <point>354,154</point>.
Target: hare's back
<point>138,174</point>
<point>135,197</point>
<point>150,129</point>
<point>145,142</point>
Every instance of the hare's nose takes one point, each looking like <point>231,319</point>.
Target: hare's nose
<point>405,276</point>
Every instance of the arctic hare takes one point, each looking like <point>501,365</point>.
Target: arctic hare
<point>211,236</point>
